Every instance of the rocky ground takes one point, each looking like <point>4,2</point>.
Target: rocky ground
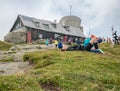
<point>9,68</point>
<point>16,52</point>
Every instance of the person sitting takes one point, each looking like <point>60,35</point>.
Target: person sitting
<point>93,43</point>
<point>73,48</point>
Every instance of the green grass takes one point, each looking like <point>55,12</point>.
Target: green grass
<point>5,46</point>
<point>55,70</point>
<point>7,59</point>
<point>18,83</point>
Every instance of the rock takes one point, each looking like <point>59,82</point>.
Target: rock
<point>14,48</point>
<point>18,57</point>
<point>10,68</point>
<point>16,37</point>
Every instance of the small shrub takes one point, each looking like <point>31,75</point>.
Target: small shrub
<point>26,57</point>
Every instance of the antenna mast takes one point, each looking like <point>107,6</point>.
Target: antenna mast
<point>89,31</point>
<point>112,28</point>
<point>70,9</point>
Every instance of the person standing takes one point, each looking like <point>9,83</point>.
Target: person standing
<point>47,42</point>
<point>60,45</point>
<point>56,43</point>
<point>115,37</point>
<point>51,41</point>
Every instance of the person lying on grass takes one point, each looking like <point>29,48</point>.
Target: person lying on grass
<point>90,44</point>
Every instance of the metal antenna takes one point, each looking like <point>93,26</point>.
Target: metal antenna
<point>112,28</point>
<point>89,31</point>
<point>70,9</point>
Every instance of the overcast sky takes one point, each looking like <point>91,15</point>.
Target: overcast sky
<point>98,16</point>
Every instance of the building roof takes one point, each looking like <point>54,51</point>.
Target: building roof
<point>52,26</point>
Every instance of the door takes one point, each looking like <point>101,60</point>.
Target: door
<point>29,37</point>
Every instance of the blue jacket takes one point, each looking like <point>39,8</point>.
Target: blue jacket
<point>60,45</point>
<point>86,41</point>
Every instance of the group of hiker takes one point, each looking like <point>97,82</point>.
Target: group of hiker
<point>57,43</point>
<point>88,44</point>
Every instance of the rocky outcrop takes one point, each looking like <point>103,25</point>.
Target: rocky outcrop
<point>16,37</point>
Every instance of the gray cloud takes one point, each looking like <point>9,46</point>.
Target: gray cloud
<point>96,15</point>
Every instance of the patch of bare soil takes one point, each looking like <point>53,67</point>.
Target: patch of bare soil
<point>50,87</point>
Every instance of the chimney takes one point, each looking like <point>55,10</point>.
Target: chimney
<point>55,21</point>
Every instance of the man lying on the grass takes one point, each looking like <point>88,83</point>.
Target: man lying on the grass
<point>88,45</point>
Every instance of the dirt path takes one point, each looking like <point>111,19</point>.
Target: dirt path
<point>18,66</point>
<point>15,67</point>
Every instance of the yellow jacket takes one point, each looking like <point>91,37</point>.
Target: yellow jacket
<point>56,42</point>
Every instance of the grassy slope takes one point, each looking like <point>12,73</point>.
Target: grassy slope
<point>56,70</point>
<point>5,46</point>
<point>18,83</point>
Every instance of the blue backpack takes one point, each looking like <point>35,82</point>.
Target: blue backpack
<point>60,45</point>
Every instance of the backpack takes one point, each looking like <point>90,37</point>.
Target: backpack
<point>60,45</point>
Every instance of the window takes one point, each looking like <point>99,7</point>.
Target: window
<point>67,28</point>
<point>54,25</point>
<point>18,25</point>
<point>56,35</point>
<point>40,36</point>
<point>37,24</point>
<point>46,26</point>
